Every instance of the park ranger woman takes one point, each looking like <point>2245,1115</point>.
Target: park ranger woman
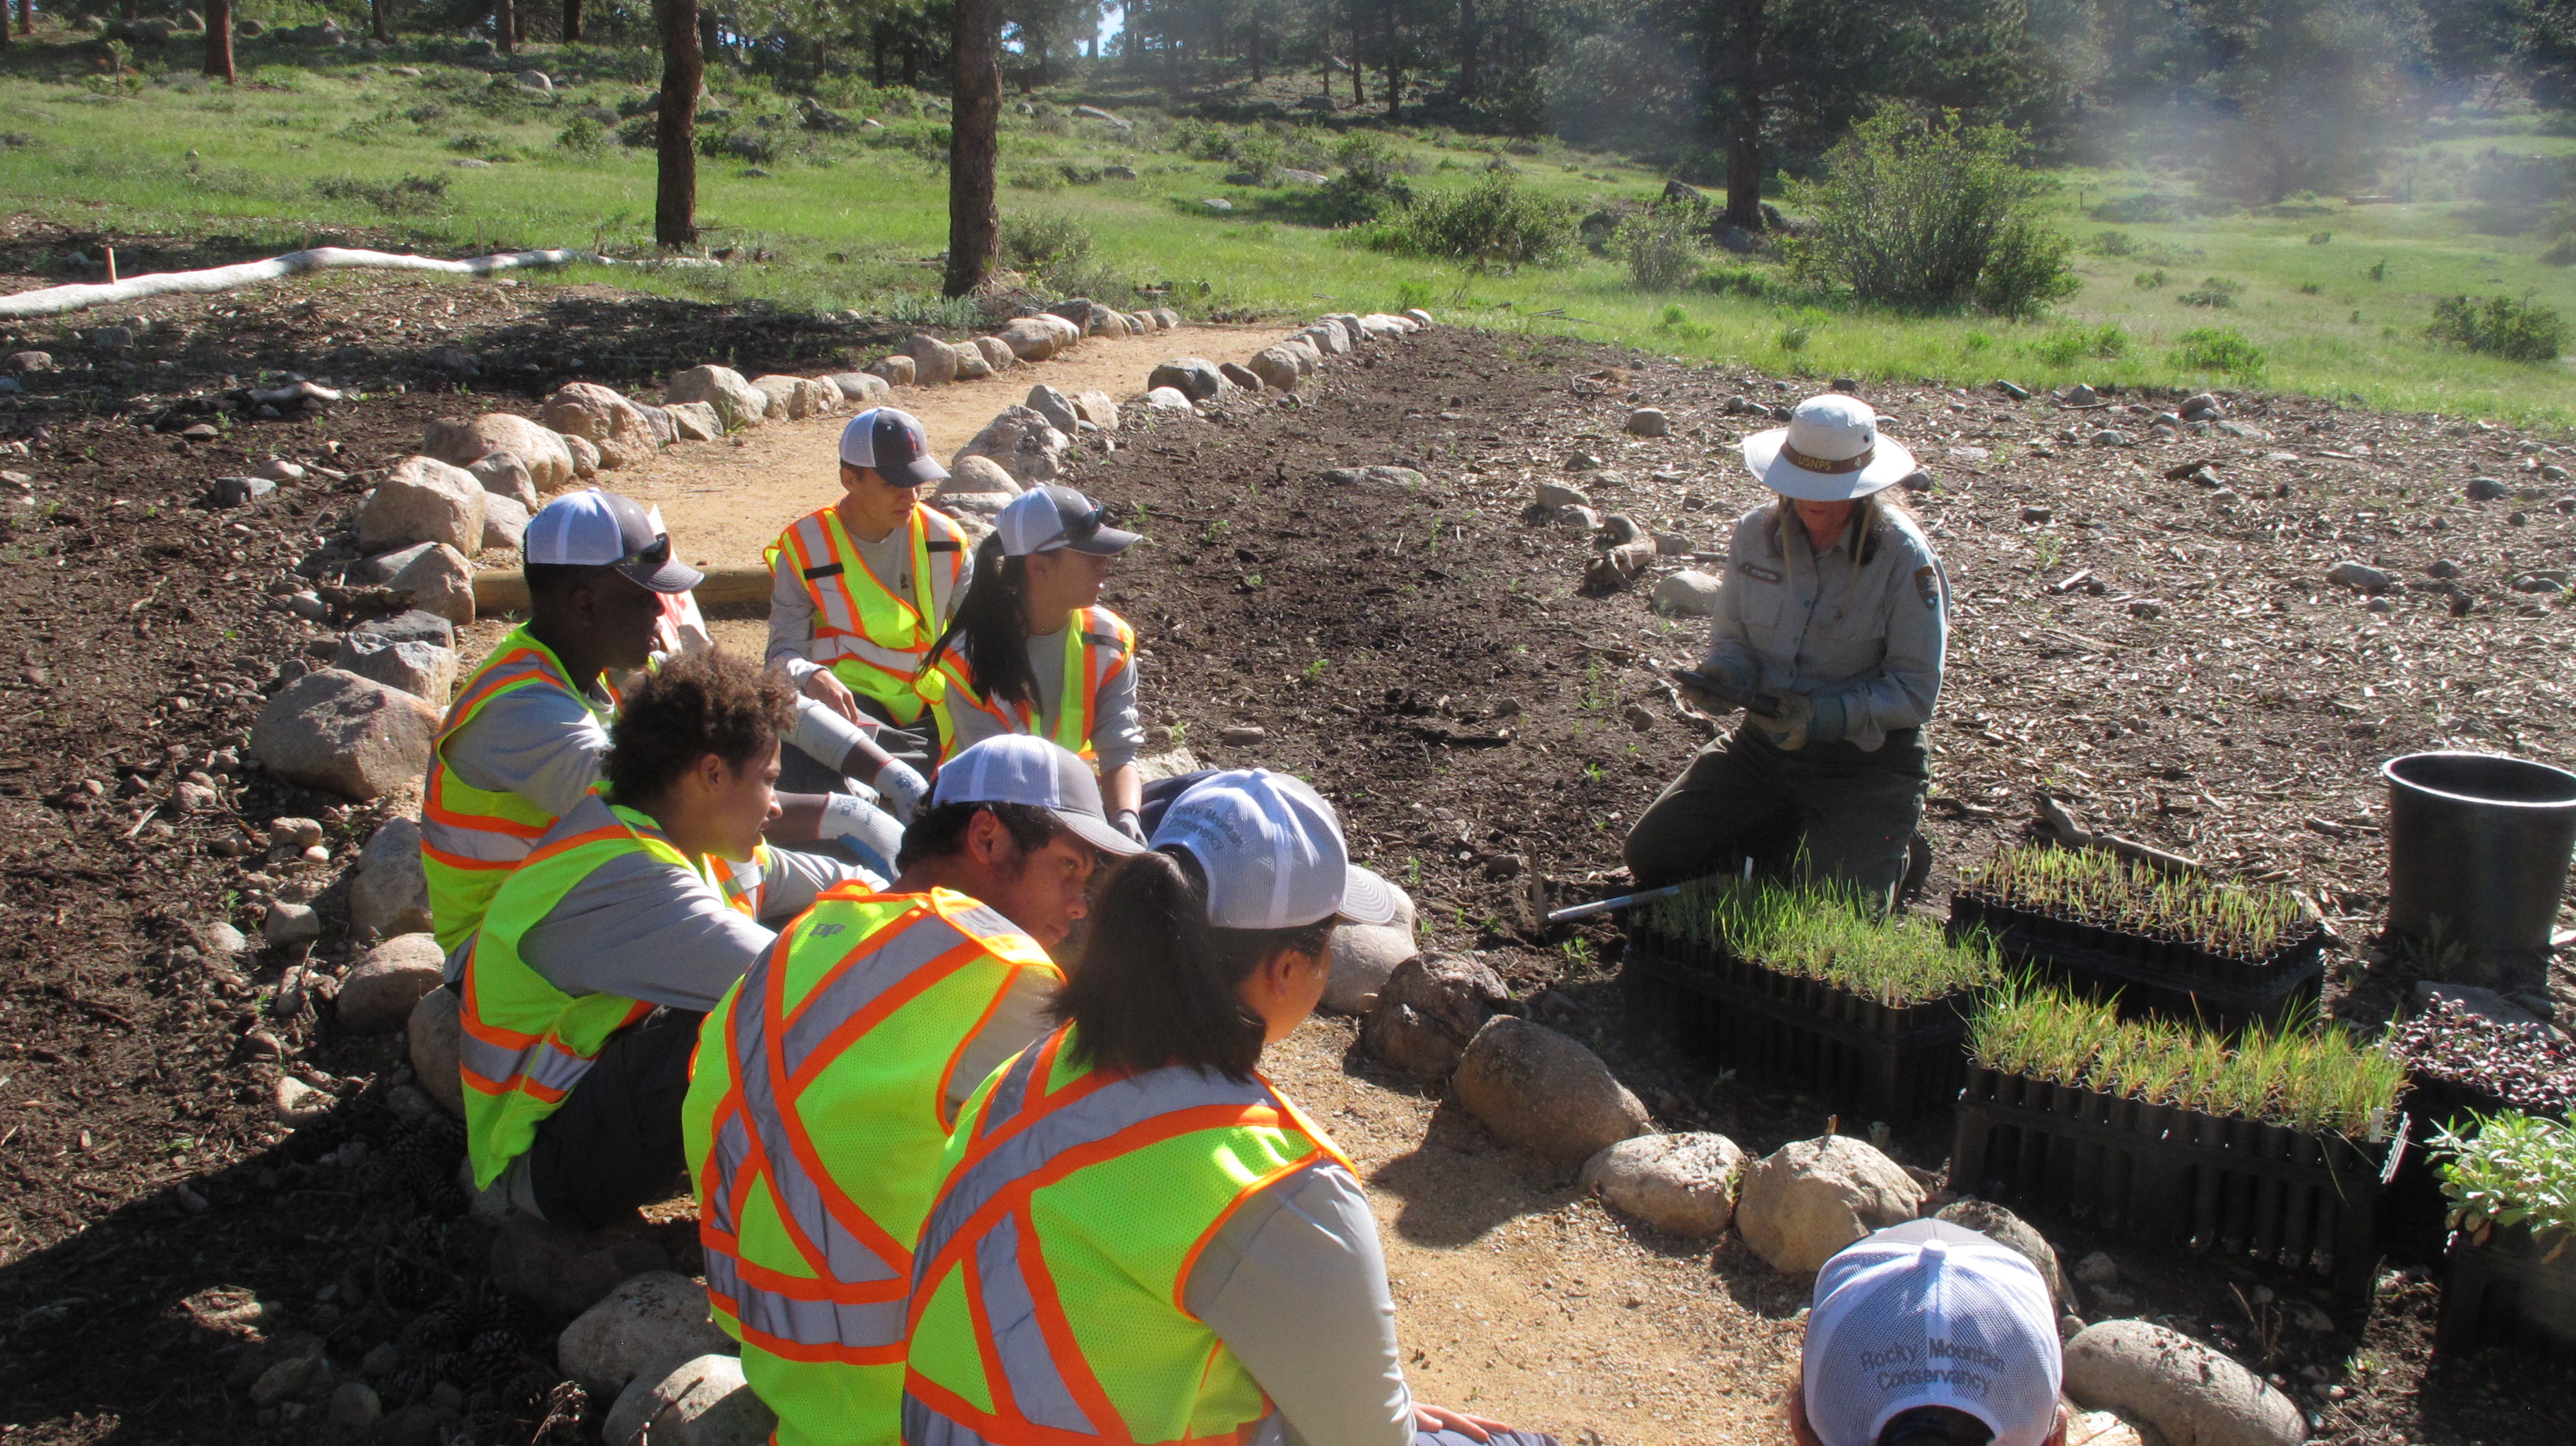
<point>1830,626</point>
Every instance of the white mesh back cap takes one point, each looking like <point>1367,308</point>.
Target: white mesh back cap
<point>1273,854</point>
<point>1017,768</point>
<point>1931,1314</point>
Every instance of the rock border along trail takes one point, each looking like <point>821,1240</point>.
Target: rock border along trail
<point>726,501</point>
<point>227,1215</point>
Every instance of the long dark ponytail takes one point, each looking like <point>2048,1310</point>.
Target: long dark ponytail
<point>991,629</point>
<point>1156,986</point>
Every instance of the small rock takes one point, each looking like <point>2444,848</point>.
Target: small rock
<point>2358,575</point>
<point>2146,608</point>
<point>1364,955</point>
<point>437,578</point>
<point>219,939</point>
<point>1427,1011</point>
<point>291,832</point>
<point>291,924</point>
<point>656,1316</point>
<point>462,443</point>
<point>1649,422</point>
<point>730,394</point>
<point>2110,437</point>
<point>1243,377</point>
<point>239,491</point>
<point>354,1406</point>
<point>1686,594</point>
<point>2005,1228</point>
<point>1681,1183</point>
<point>424,670</point>
<point>1673,544</point>
<point>1810,1198</point>
<point>2097,1268</point>
<point>505,522</point>
<point>1242,733</point>
<point>433,1040</point>
<point>378,996</point>
<point>2036,514</point>
<point>1055,407</point>
<point>567,1271</point>
<point>1535,1087</point>
<point>30,361</point>
<point>299,1103</point>
<point>1167,399</point>
<point>862,389</point>
<point>2081,395</point>
<point>1638,717</point>
<point>2018,394</point>
<point>704,1402</point>
<point>423,500</point>
<point>2486,489</point>
<point>287,1379</point>
<point>2443,570</point>
<point>2190,1393</point>
<point>1556,496</point>
<point>1096,408</point>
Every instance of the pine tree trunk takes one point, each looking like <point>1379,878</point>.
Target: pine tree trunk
<point>1394,77</point>
<point>1470,38</point>
<point>876,53</point>
<point>572,22</point>
<point>710,36</point>
<point>1744,141</point>
<point>380,22</point>
<point>675,198</point>
<point>1254,45</point>
<point>974,136</point>
<point>26,17</point>
<point>505,25</point>
<point>219,38</point>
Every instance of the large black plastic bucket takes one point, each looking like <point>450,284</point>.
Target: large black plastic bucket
<point>2478,848</point>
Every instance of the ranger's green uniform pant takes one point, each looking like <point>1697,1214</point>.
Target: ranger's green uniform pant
<point>1851,812</point>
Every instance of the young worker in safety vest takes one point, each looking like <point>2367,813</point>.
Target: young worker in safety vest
<point>1032,650</point>
<point>827,1081</point>
<point>1140,1239</point>
<point>860,588</point>
<point>603,950</point>
<point>522,743</point>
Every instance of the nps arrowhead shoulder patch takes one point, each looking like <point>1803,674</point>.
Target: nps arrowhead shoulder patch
<point>1927,585</point>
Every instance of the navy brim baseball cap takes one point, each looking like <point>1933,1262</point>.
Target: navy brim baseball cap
<point>892,442</point>
<point>593,528</point>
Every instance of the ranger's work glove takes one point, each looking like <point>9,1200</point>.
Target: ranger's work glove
<point>1736,678</point>
<point>1126,822</point>
<point>902,787</point>
<point>1801,720</point>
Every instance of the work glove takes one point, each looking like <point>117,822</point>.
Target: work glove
<point>865,829</point>
<point>1801,720</point>
<point>1126,822</point>
<point>902,788</point>
<point>1728,673</point>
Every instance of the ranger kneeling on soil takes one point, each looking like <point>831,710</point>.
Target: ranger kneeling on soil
<point>1829,632</point>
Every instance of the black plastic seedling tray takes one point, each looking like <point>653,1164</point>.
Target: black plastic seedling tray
<point>1869,1060</point>
<point>2503,1293</point>
<point>2150,976</point>
<point>2303,1203</point>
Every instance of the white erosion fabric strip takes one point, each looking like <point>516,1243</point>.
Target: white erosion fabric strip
<point>55,300</point>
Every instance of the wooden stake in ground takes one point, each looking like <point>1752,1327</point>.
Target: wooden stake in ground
<point>675,193</point>
<point>219,42</point>
<point>974,132</point>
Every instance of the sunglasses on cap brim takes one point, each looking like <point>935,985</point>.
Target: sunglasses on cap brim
<point>653,555</point>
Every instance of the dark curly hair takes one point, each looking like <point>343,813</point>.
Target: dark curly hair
<point>702,703</point>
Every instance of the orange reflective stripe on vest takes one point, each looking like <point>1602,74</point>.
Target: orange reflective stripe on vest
<point>1097,648</point>
<point>499,1061</point>
<point>858,619</point>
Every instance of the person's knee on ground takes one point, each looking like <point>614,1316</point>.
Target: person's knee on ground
<point>1925,1334</point>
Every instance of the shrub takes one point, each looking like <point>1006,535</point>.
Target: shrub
<point>2517,330</point>
<point>2114,243</point>
<point>2561,252</point>
<point>2215,292</point>
<point>1370,184</point>
<point>1661,246</point>
<point>2519,1170</point>
<point>583,137</point>
<point>408,196</point>
<point>1046,244</point>
<point>2320,238</point>
<point>1796,332</point>
<point>2218,349</point>
<point>1495,223</point>
<point>2070,344</point>
<point>2151,280</point>
<point>1925,214</point>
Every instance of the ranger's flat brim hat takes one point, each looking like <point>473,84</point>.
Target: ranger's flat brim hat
<point>1831,451</point>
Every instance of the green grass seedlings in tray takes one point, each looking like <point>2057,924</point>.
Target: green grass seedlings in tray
<point>2275,1143</point>
<point>2180,945</point>
<point>2509,1277</point>
<point>1796,987</point>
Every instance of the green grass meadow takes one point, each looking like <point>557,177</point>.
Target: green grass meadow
<point>314,145</point>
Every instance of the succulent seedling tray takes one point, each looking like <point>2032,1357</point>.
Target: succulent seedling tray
<point>1875,1061</point>
<point>2301,1202</point>
<point>2163,977</point>
<point>2502,1293</point>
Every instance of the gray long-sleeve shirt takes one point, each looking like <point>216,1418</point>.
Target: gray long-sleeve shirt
<point>1294,1283</point>
<point>1116,734</point>
<point>1868,630</point>
<point>642,928</point>
<point>791,607</point>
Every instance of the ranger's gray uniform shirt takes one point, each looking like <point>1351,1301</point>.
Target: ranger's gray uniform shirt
<point>640,928</point>
<point>791,607</point>
<point>1116,736</point>
<point>1870,631</point>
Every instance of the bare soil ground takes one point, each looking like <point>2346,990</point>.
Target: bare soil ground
<point>165,1238</point>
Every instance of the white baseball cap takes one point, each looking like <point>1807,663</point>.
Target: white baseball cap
<point>592,528</point>
<point>1043,519</point>
<point>892,442</point>
<point>1928,1313</point>
<point>1831,451</point>
<point>1273,854</point>
<point>1019,768</point>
